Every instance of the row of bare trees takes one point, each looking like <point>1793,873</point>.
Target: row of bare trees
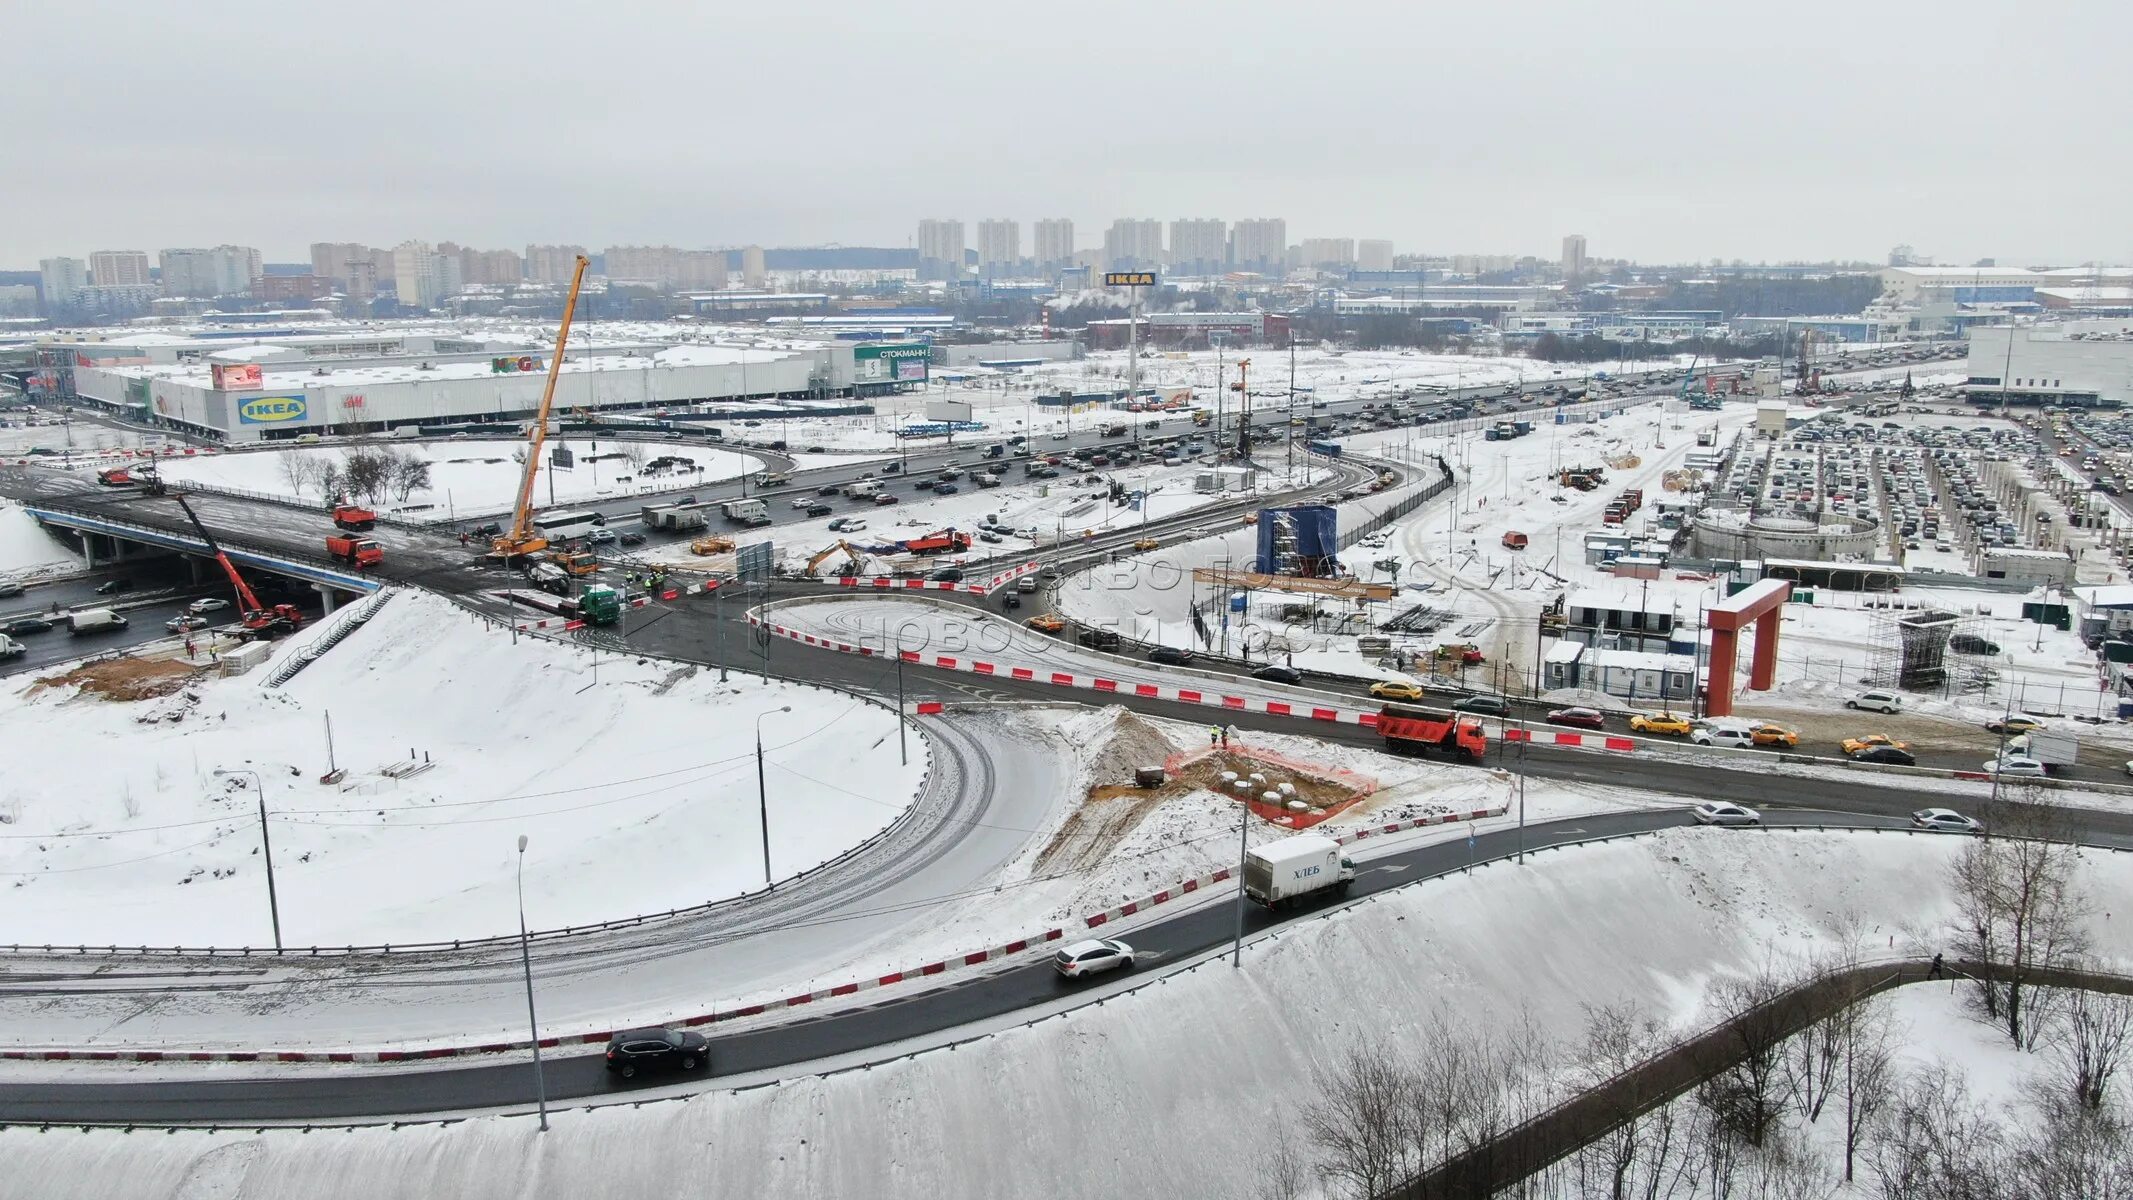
<point>365,473</point>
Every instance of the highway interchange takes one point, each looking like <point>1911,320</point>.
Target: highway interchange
<point>710,631</point>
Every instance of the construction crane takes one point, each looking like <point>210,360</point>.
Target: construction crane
<point>522,539</point>
<point>258,620</point>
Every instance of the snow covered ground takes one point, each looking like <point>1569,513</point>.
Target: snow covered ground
<point>27,550</point>
<point>475,477</point>
<point>72,438</point>
<point>1139,1096</point>
<point>634,781</point>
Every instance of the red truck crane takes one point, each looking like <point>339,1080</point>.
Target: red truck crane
<point>1411,730</point>
<point>258,620</point>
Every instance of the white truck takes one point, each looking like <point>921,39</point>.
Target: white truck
<point>746,512</point>
<point>863,489</point>
<point>95,620</point>
<point>1285,873</point>
<point>2055,748</point>
<point>9,647</point>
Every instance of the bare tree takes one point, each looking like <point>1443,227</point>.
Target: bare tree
<point>1939,1142</point>
<point>299,470</point>
<point>2091,1040</point>
<point>2020,906</point>
<point>410,473</point>
<point>2066,1151</point>
<point>1749,1095</point>
<point>330,480</point>
<point>1360,1122</point>
<point>1867,1044</point>
<point>1643,1151</point>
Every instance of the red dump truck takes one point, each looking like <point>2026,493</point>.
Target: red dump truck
<point>1410,730</point>
<point>349,516</point>
<point>1514,540</point>
<point>360,553</point>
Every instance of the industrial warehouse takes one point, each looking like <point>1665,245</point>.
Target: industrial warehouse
<point>400,377</point>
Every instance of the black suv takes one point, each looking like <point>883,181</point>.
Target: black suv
<point>819,510</point>
<point>1170,656</point>
<point>656,1049</point>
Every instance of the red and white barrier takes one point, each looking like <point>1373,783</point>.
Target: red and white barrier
<point>886,583</point>
<point>1557,737</point>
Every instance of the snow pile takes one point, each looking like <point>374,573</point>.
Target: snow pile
<point>27,549</point>
<point>1650,921</point>
<point>634,780</point>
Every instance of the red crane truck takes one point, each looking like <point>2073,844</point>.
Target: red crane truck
<point>258,620</point>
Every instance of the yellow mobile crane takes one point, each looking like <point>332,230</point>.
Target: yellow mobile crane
<point>521,539</point>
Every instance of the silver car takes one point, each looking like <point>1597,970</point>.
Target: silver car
<point>1724,812</point>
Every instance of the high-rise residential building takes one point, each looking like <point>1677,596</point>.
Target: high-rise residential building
<point>1259,244</point>
<point>552,264</point>
<point>1054,243</point>
<point>119,268</point>
<point>940,249</point>
<point>999,246</point>
<point>754,275</point>
<point>703,270</point>
<point>641,264</point>
<point>1133,244</point>
<point>207,273</point>
<point>490,268</point>
<point>1327,253</point>
<point>334,260</point>
<point>1373,254</point>
<point>62,280</point>
<point>1574,256</point>
<point>361,283</point>
<point>1198,246</point>
<point>415,274</point>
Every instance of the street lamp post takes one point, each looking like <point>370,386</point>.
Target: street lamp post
<point>267,846</point>
<point>525,958</point>
<point>762,794</point>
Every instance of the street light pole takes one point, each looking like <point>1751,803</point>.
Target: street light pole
<point>1244,831</point>
<point>762,794</point>
<point>903,718</point>
<point>525,958</point>
<point>718,618</point>
<point>266,845</point>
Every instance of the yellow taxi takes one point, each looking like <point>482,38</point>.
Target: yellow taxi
<point>1046,623</point>
<point>1855,745</point>
<point>1396,689</point>
<point>1774,735</point>
<point>1665,722</point>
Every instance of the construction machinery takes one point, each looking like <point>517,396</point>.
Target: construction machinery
<point>355,517</point>
<point>716,543</point>
<point>360,553</point>
<point>258,620</point>
<point>849,567</point>
<point>576,562</point>
<point>522,538</point>
<point>940,541</point>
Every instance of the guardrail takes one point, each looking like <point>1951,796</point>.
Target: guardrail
<point>269,557</point>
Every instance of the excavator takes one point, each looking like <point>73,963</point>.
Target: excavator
<point>258,620</point>
<point>522,539</point>
<point>850,567</point>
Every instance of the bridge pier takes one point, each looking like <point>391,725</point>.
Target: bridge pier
<point>326,594</point>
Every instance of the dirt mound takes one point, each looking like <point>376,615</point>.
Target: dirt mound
<point>1131,744</point>
<point>122,678</point>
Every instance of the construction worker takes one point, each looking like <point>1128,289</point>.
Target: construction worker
<point>1214,736</point>
<point>1225,739</point>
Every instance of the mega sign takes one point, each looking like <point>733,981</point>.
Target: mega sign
<point>270,410</point>
<point>900,362</point>
<point>235,377</point>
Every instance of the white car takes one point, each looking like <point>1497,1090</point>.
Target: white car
<point>1876,701</point>
<point>207,605</point>
<point>1731,737</point>
<point>1722,812</point>
<point>1945,820</point>
<point>2016,766</point>
<point>1059,437</point>
<point>1093,957</point>
<point>804,503</point>
<point>185,623</point>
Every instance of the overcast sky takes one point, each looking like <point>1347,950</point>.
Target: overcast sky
<point>1661,131</point>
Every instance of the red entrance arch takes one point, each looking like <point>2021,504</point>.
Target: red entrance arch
<point>1759,604</point>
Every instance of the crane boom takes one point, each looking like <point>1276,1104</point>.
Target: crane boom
<point>521,539</point>
<point>244,593</point>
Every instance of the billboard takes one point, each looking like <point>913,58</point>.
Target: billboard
<point>272,410</point>
<point>947,410</point>
<point>1129,279</point>
<point>235,377</point>
<point>891,362</point>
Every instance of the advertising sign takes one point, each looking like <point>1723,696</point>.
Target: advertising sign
<point>947,410</point>
<point>1129,279</point>
<point>272,410</point>
<point>891,362</point>
<point>561,456</point>
<point>235,377</point>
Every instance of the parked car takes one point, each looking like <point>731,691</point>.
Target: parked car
<point>987,535</point>
<point>1876,701</point>
<point>1488,706</point>
<point>1586,718</point>
<point>207,604</point>
<point>1010,600</point>
<point>2015,766</point>
<point>1728,737</point>
<point>1722,812</point>
<point>1093,957</point>
<point>1046,623</point>
<point>1170,656</point>
<point>1945,820</point>
<point>112,586</point>
<point>2018,723</point>
<point>1396,689</point>
<point>633,1051</point>
<point>1773,735</point>
<point>1279,674</point>
<point>946,575</point>
<point>603,536</point>
<point>9,587</point>
<point>1893,756</point>
<point>1665,722</point>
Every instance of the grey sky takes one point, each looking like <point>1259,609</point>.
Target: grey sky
<point>1662,131</point>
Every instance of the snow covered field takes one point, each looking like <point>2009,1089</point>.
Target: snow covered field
<point>26,550</point>
<point>1151,1078</point>
<point>474,477</point>
<point>633,780</point>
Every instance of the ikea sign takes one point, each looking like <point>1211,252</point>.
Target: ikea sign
<point>271,410</point>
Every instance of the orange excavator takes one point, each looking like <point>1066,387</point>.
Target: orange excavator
<point>522,539</point>
<point>258,620</point>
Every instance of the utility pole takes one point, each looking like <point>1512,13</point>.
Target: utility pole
<point>1244,410</point>
<point>1244,833</point>
<point>1292,405</point>
<point>1133,359</point>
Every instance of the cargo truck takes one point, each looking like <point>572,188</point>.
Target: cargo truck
<point>1410,730</point>
<point>1329,449</point>
<point>95,620</point>
<point>674,518</point>
<point>358,552</point>
<point>2057,749</point>
<point>349,516</point>
<point>746,512</point>
<point>863,489</point>
<point>1286,873</point>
